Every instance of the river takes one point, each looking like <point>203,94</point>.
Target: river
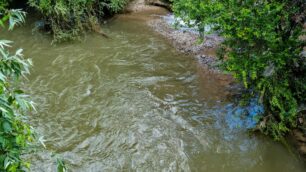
<point>133,103</point>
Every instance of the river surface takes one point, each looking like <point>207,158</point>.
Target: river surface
<point>133,103</point>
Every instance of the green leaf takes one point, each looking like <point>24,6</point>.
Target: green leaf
<point>61,166</point>
<point>7,127</point>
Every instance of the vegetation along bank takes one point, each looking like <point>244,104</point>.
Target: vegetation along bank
<point>263,48</point>
<point>261,43</point>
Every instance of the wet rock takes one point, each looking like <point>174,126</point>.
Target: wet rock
<point>40,25</point>
<point>299,141</point>
<point>298,136</point>
<point>209,62</point>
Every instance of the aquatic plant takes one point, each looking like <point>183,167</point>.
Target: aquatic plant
<point>262,49</point>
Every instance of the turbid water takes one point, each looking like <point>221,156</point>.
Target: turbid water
<point>133,103</point>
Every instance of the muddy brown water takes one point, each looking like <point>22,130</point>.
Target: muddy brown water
<point>133,103</point>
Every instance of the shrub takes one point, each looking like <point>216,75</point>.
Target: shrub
<point>15,134</point>
<point>262,49</point>
<point>69,19</point>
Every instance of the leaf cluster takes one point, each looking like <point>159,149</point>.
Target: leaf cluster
<point>262,48</point>
<point>15,134</point>
<point>69,19</point>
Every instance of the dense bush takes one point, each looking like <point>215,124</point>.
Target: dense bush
<point>15,134</point>
<point>68,19</point>
<point>262,49</point>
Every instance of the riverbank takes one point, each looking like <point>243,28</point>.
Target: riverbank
<point>204,52</point>
<point>136,6</point>
<point>188,42</point>
<point>184,41</point>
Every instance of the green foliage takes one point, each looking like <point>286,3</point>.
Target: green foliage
<point>69,19</point>
<point>262,49</point>
<point>15,134</point>
<point>3,5</point>
<point>61,166</point>
<point>14,17</point>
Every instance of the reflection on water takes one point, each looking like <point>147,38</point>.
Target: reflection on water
<point>132,103</point>
<point>245,116</point>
